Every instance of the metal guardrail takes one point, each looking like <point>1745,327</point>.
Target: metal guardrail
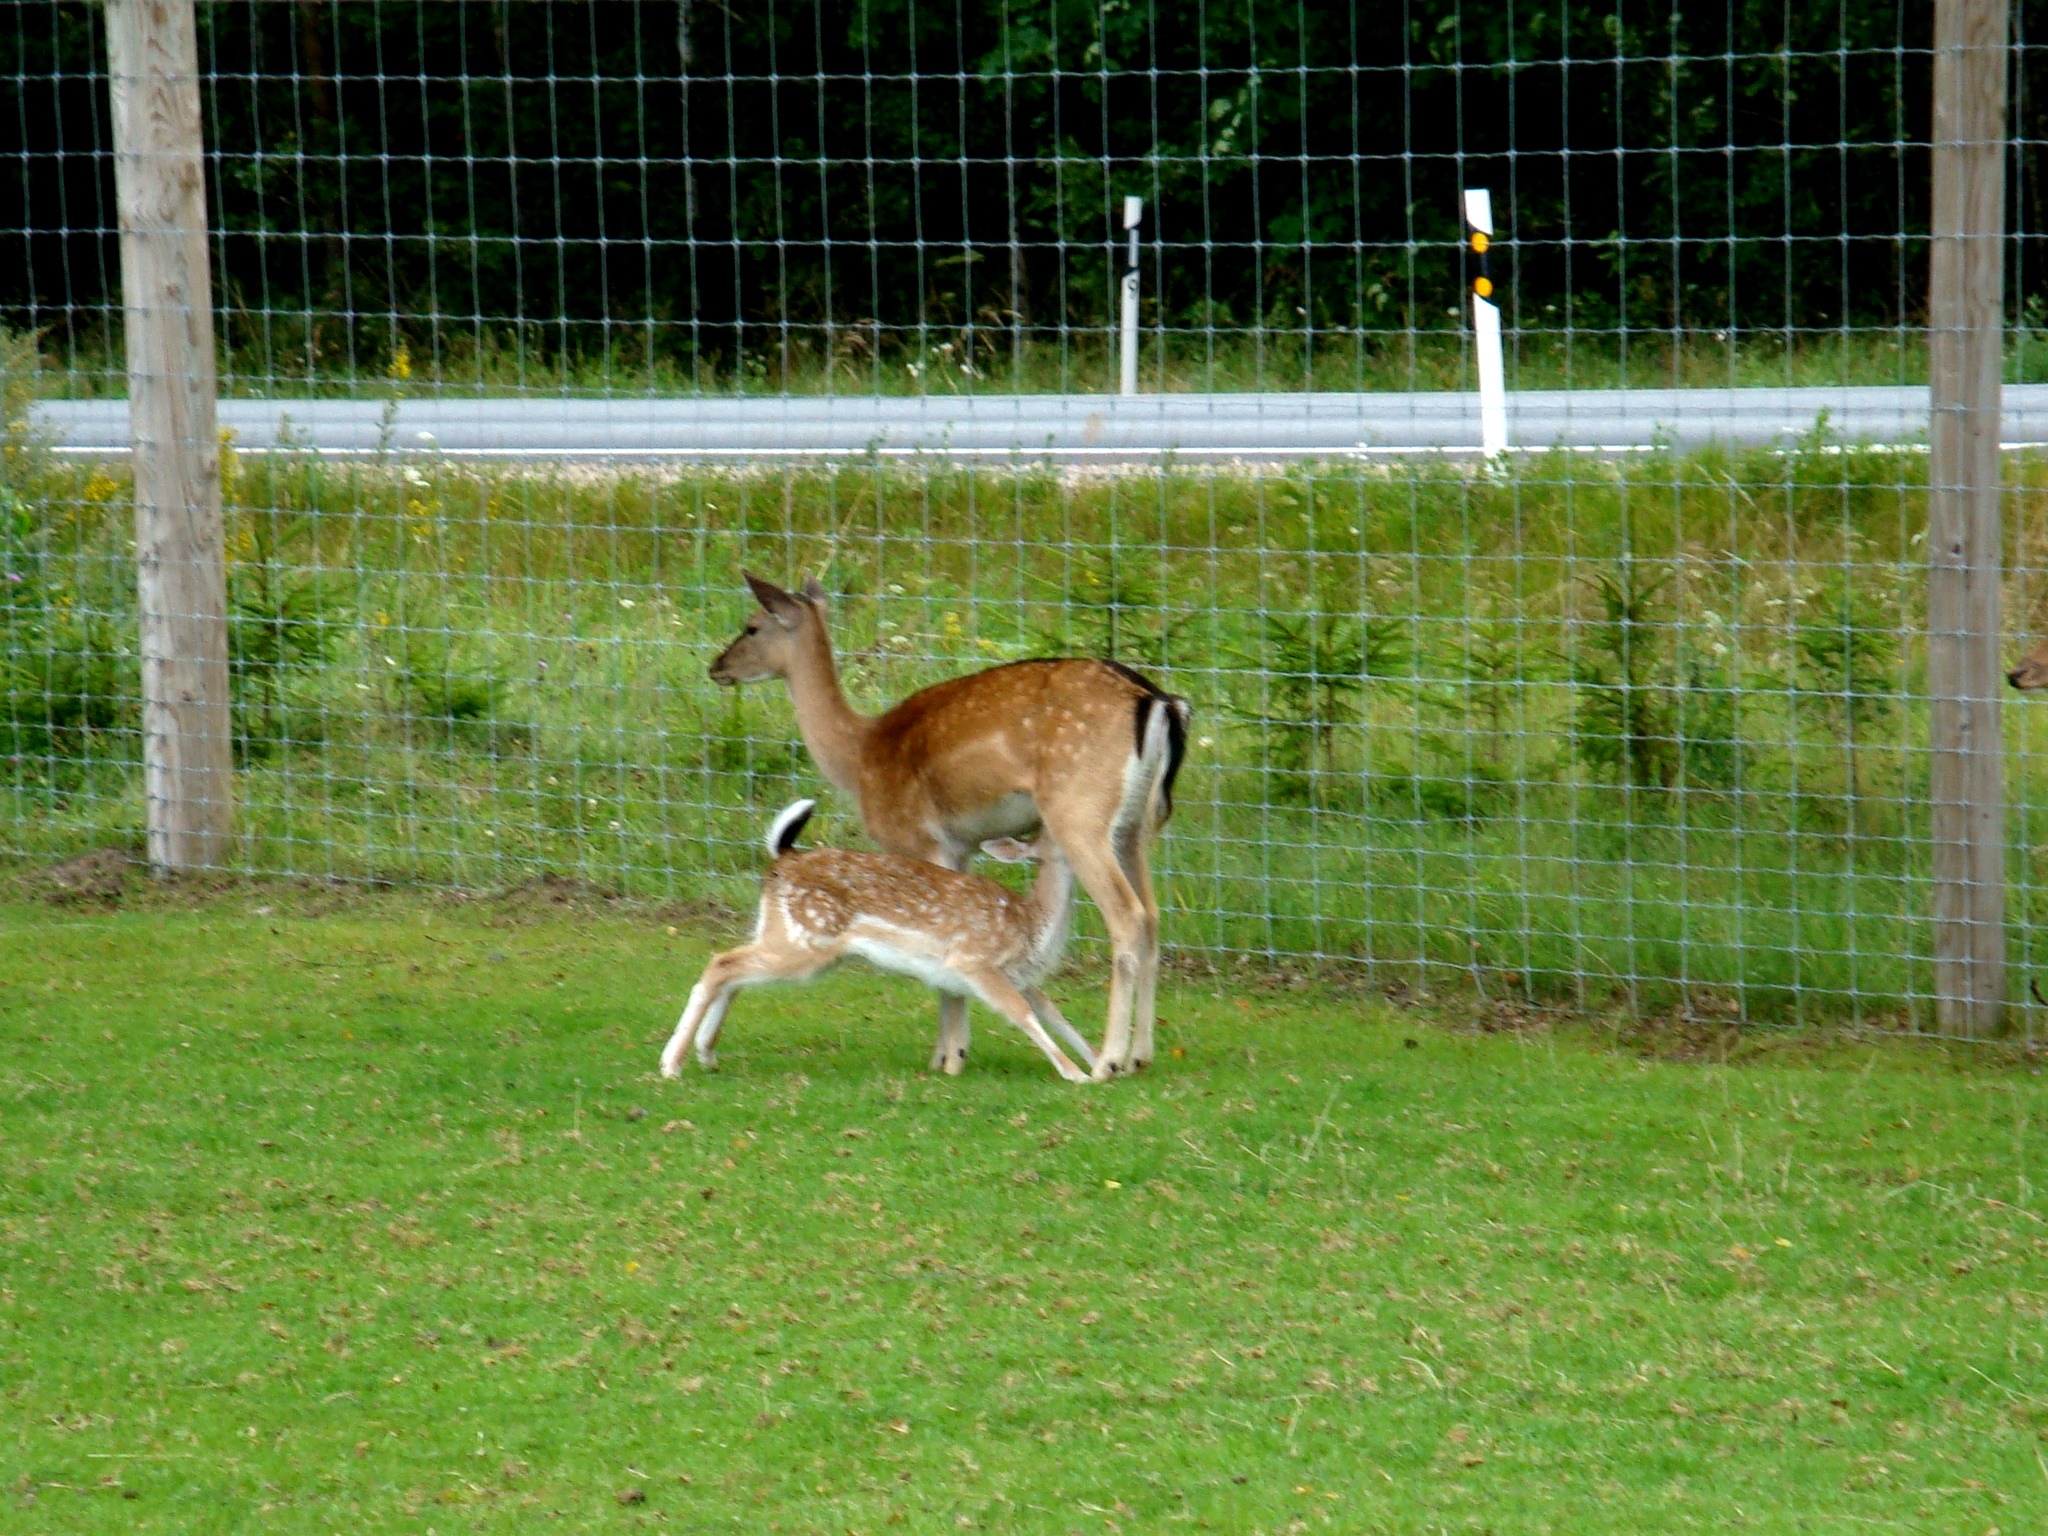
<point>1065,429</point>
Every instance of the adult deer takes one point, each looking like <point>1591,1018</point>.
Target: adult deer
<point>962,934</point>
<point>1088,750</point>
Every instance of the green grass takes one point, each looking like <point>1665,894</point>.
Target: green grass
<point>325,1212</point>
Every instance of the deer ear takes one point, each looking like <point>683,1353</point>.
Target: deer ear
<point>783,608</point>
<point>814,589</point>
<point>1009,850</point>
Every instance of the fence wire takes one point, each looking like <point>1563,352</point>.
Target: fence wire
<point>1642,731</point>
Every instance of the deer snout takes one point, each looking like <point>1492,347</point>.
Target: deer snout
<point>724,673</point>
<point>2032,671</point>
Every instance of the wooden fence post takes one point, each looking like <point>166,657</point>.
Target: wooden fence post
<point>181,577</point>
<point>1966,295</point>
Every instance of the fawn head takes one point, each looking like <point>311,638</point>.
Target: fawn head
<point>1015,850</point>
<point>2032,672</point>
<point>766,647</point>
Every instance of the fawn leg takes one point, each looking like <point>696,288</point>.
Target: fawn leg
<point>950,1054</point>
<point>995,989</point>
<point>1050,1016</point>
<point>704,1014</point>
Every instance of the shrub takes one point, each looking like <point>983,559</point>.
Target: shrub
<point>1847,660</point>
<point>277,625</point>
<point>1652,712</point>
<point>65,689</point>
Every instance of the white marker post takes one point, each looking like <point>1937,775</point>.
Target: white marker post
<point>1127,360</point>
<point>1493,384</point>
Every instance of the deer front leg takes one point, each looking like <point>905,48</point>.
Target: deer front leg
<point>950,1054</point>
<point>996,989</point>
<point>1050,1016</point>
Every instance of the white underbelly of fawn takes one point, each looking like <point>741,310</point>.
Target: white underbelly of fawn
<point>908,961</point>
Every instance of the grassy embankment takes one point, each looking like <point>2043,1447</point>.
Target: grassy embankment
<point>1577,731</point>
<point>1586,730</point>
<point>366,1213</point>
<point>262,357</point>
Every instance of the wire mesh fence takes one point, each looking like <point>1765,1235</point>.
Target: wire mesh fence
<point>1643,730</point>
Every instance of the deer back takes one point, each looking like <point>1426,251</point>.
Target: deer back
<point>973,755</point>
<point>852,902</point>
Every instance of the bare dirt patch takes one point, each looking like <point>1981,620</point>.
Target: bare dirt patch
<point>97,879</point>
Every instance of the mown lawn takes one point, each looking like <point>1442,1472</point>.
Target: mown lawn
<point>367,1213</point>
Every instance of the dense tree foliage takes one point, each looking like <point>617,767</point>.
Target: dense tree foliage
<point>838,173</point>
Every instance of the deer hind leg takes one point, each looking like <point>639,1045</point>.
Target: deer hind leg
<point>1131,855</point>
<point>996,989</point>
<point>1095,865</point>
<point>704,1014</point>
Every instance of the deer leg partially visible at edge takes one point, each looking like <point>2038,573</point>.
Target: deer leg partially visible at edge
<point>1144,1006</point>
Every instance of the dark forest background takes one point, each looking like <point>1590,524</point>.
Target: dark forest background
<point>707,180</point>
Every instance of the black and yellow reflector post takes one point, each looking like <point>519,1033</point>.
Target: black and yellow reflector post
<point>1493,393</point>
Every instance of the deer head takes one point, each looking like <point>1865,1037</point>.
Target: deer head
<point>767,646</point>
<point>1017,850</point>
<point>2032,672</point>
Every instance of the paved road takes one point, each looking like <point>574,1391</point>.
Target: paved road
<point>1070,429</point>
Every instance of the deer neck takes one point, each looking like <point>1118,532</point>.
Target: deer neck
<point>833,732</point>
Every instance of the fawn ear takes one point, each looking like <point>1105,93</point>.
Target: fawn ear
<point>786,610</point>
<point>814,589</point>
<point>1009,850</point>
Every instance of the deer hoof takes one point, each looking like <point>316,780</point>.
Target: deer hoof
<point>1104,1071</point>
<point>956,1064</point>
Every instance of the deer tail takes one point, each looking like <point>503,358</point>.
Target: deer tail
<point>1162,742</point>
<point>787,827</point>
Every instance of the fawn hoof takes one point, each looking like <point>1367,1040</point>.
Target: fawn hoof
<point>956,1063</point>
<point>708,1062</point>
<point>1105,1070</point>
